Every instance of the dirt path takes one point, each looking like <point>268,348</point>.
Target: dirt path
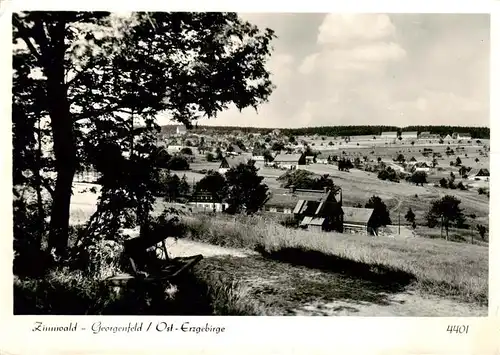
<point>404,304</point>
<point>296,290</point>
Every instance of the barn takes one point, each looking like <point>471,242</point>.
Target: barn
<point>409,135</point>
<point>287,161</point>
<point>358,220</point>
<point>389,135</point>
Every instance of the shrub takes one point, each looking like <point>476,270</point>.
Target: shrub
<point>481,191</point>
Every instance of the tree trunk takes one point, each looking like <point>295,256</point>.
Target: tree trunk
<point>38,165</point>
<point>63,139</point>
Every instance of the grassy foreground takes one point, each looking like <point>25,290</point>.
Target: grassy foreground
<point>447,269</point>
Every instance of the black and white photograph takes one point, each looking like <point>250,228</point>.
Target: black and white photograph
<point>250,164</point>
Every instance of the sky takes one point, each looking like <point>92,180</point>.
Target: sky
<point>372,69</point>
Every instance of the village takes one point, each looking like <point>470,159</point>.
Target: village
<point>373,157</point>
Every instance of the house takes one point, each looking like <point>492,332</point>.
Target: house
<point>482,174</point>
<point>287,161</point>
<point>448,138</point>
<point>281,201</point>
<point>276,132</point>
<point>389,135</point>
<point>310,159</point>
<point>232,162</point>
<point>180,130</point>
<point>233,149</point>
<point>321,159</point>
<point>319,210</point>
<point>358,220</point>
<point>173,149</point>
<point>464,136</point>
<point>424,135</point>
<point>420,166</point>
<point>206,202</point>
<point>409,135</point>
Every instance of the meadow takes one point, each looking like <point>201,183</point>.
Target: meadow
<point>445,269</point>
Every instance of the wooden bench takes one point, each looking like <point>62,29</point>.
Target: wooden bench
<point>146,266</point>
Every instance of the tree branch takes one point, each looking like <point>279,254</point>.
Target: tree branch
<point>24,33</point>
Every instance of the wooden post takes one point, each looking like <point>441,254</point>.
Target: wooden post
<point>399,222</point>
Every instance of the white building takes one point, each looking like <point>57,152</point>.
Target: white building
<point>181,130</point>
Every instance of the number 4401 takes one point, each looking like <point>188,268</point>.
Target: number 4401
<point>458,329</point>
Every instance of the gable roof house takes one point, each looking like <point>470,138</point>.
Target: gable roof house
<point>233,149</point>
<point>409,135</point>
<point>389,135</point>
<point>479,174</point>
<point>287,161</point>
<point>232,162</point>
<point>320,210</point>
<point>461,136</point>
<point>358,220</point>
<point>321,159</point>
<point>420,166</point>
<point>428,135</point>
<point>180,130</point>
<point>448,138</point>
<point>206,202</point>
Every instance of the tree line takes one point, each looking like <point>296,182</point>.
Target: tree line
<point>343,131</point>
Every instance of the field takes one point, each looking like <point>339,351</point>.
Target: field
<point>280,271</point>
<point>259,267</point>
<point>326,269</point>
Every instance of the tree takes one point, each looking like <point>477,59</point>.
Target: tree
<point>130,67</point>
<point>214,183</point>
<point>410,216</point>
<point>268,157</point>
<point>380,215</point>
<point>245,190</point>
<point>444,183</point>
<point>186,151</point>
<point>448,211</point>
<point>458,161</point>
<point>419,178</point>
<point>400,158</point>
<point>482,230</point>
<point>291,139</point>
<point>178,162</point>
<point>210,157</point>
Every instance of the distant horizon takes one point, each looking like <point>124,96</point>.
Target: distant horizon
<point>323,126</point>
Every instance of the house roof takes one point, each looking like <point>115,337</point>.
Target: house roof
<point>409,133</point>
<point>479,172</point>
<point>234,161</point>
<point>288,158</point>
<point>357,215</point>
<point>425,133</point>
<point>312,221</point>
<point>296,200</point>
<point>282,200</point>
<point>236,149</point>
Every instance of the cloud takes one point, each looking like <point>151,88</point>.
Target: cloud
<point>349,29</point>
<point>373,69</point>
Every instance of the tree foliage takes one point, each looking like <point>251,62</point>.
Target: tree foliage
<point>245,190</point>
<point>93,74</point>
<point>380,215</point>
<point>448,211</point>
